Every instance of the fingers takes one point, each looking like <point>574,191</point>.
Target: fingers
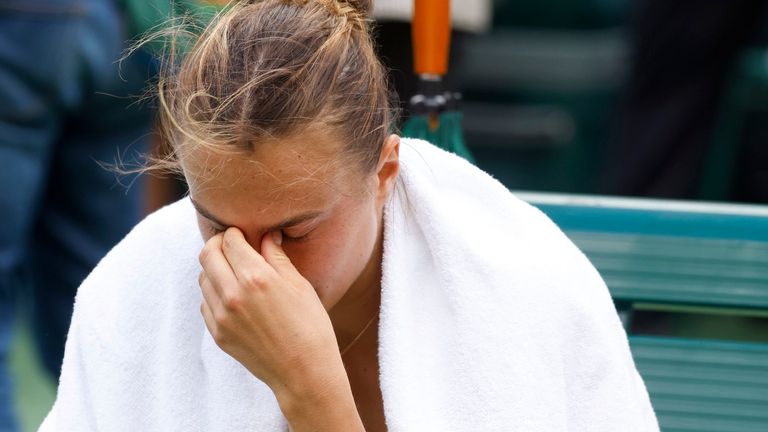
<point>275,256</point>
<point>210,296</point>
<point>215,266</point>
<point>251,267</point>
<point>210,321</point>
<point>248,265</point>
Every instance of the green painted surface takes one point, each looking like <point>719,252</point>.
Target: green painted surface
<point>681,270</point>
<point>659,222</point>
<point>656,255</point>
<point>448,135</point>
<point>34,391</point>
<point>703,385</point>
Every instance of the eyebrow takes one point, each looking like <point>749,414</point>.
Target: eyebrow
<point>294,220</point>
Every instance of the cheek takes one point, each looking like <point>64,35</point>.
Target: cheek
<point>319,259</point>
<point>336,257</point>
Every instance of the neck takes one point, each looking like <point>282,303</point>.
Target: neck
<point>361,302</point>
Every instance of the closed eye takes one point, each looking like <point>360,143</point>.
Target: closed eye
<point>295,237</point>
<point>291,234</point>
<point>215,229</point>
<point>299,231</point>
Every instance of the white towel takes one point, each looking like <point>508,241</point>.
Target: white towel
<point>491,320</point>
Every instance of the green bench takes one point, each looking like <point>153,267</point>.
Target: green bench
<point>706,260</point>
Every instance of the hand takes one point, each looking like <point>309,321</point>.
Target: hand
<point>266,315</point>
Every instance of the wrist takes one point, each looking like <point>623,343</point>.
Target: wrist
<point>323,405</point>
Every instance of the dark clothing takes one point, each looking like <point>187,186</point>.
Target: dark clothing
<point>681,54</point>
<point>64,107</point>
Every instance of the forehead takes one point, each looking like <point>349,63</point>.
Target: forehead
<point>279,178</point>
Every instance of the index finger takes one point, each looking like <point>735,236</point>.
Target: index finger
<point>215,265</point>
<point>246,263</point>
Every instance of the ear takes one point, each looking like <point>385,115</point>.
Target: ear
<point>388,168</point>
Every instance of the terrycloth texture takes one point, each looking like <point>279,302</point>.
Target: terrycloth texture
<point>491,320</point>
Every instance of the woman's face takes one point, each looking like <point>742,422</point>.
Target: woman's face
<point>329,214</point>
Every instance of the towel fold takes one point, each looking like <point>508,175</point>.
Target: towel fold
<point>491,319</point>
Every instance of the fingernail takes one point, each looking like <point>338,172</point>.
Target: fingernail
<point>277,236</point>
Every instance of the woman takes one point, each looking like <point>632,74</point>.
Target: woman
<point>348,280</point>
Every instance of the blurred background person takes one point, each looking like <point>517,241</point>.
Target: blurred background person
<point>682,55</point>
<point>64,108</point>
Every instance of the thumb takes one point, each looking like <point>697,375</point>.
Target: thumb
<point>273,253</point>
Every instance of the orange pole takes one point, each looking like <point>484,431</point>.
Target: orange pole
<point>431,35</point>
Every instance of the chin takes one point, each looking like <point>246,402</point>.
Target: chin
<point>329,297</point>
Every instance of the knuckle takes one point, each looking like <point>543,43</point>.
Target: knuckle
<point>228,241</point>
<point>222,321</point>
<point>281,257</point>
<point>201,278</point>
<point>254,279</point>
<point>231,303</point>
<point>204,254</point>
<point>224,324</point>
<point>219,337</point>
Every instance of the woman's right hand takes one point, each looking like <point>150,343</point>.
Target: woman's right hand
<point>261,311</point>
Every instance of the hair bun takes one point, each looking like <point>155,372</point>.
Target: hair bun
<point>356,12</point>
<point>363,7</point>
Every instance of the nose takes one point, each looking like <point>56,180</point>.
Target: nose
<point>254,239</point>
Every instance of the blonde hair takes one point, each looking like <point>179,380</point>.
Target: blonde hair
<point>263,70</point>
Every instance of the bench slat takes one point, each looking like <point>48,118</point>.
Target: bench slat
<point>702,256</point>
<point>705,385</point>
